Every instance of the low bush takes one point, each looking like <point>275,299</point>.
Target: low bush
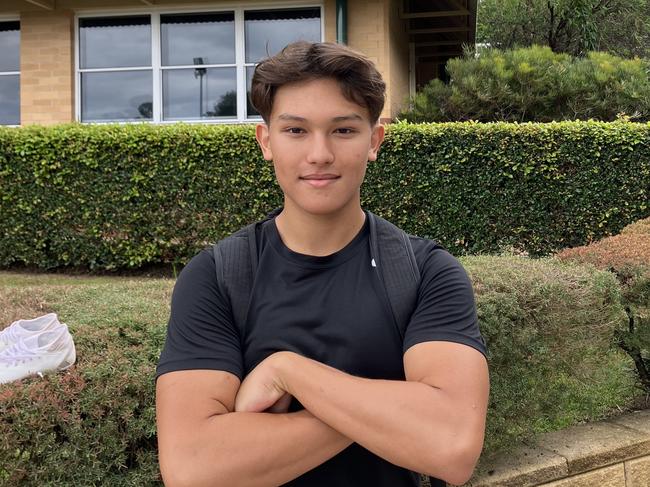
<point>627,255</point>
<point>535,84</point>
<point>548,327</point>
<point>114,197</point>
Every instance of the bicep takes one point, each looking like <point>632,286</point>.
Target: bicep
<point>185,399</point>
<point>458,371</point>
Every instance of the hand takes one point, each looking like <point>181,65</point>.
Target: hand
<point>263,389</point>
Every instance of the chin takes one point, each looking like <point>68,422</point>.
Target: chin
<point>323,208</point>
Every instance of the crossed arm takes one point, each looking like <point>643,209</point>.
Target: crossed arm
<point>212,431</point>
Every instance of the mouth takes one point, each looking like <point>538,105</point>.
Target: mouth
<point>319,180</point>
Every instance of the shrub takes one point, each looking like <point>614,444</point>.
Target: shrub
<point>535,84</point>
<point>548,327</point>
<point>93,425</point>
<point>110,197</point>
<point>628,256</point>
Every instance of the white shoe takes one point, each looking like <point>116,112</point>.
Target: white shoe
<point>21,329</point>
<point>47,351</point>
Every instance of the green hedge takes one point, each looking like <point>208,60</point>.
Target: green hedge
<point>111,197</point>
<point>548,325</point>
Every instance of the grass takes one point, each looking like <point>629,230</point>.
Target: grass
<point>85,300</point>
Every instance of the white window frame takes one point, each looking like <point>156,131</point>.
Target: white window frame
<point>12,18</point>
<point>156,53</point>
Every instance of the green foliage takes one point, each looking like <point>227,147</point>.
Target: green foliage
<point>548,328</point>
<point>124,196</point>
<point>627,255</point>
<point>94,425</point>
<point>621,27</point>
<point>110,197</point>
<point>536,84</point>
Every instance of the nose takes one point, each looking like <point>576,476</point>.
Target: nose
<point>320,151</point>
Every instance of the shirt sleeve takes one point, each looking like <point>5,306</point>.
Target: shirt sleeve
<point>201,333</point>
<point>445,309</point>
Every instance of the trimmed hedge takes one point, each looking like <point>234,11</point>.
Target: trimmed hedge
<point>548,327</point>
<point>110,197</point>
<point>627,255</point>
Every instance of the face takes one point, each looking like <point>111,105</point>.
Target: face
<point>320,144</point>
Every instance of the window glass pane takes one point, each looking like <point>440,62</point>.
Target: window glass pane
<point>117,42</point>
<point>10,100</point>
<point>9,46</point>
<point>268,31</point>
<point>187,38</point>
<point>200,93</point>
<point>116,96</point>
<point>250,109</point>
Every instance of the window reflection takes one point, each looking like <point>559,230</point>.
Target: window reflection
<point>199,93</point>
<point>9,46</point>
<point>116,42</point>
<point>117,95</point>
<point>268,31</point>
<point>10,100</point>
<point>250,109</point>
<point>209,36</point>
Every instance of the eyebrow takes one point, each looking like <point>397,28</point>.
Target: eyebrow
<point>342,118</point>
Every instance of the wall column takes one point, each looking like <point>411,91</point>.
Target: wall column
<point>46,67</point>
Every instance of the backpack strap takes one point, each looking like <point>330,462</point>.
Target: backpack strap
<point>393,256</point>
<point>235,261</point>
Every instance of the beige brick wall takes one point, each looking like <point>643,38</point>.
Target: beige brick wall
<point>329,12</point>
<point>46,67</point>
<point>398,52</point>
<point>637,472</point>
<point>613,476</point>
<point>367,32</point>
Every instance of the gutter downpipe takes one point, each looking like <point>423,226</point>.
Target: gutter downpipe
<point>341,21</point>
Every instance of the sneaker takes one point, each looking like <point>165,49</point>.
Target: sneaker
<point>21,329</point>
<point>47,351</point>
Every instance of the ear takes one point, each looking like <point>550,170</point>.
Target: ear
<point>376,139</point>
<point>263,139</point>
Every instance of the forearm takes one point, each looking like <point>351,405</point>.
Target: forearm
<point>252,449</point>
<point>411,424</point>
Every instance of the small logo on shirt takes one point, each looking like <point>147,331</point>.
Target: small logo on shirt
<point>373,263</point>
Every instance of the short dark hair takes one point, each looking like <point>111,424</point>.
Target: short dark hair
<point>357,76</point>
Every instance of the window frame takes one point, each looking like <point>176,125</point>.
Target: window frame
<point>13,18</point>
<point>156,54</point>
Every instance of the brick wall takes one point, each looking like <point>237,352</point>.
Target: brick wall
<point>398,53</point>
<point>611,453</point>
<point>367,32</point>
<point>47,68</point>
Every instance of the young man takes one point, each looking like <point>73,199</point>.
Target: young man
<point>319,388</point>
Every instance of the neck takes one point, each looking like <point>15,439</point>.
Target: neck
<point>319,235</point>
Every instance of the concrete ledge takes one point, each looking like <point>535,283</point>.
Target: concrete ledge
<point>612,453</point>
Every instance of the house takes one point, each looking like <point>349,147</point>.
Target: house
<point>172,60</point>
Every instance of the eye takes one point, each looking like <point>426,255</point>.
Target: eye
<point>293,130</point>
<point>345,130</point>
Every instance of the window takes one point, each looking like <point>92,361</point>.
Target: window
<point>115,69</point>
<point>10,73</point>
<point>191,66</point>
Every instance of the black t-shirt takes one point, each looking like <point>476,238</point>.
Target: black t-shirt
<point>332,309</point>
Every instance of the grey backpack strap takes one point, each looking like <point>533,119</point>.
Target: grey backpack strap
<point>392,255</point>
<point>234,267</point>
<point>235,261</point>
